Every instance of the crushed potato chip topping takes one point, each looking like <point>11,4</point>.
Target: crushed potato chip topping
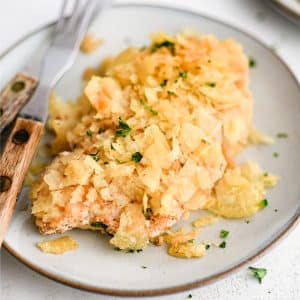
<point>154,136</point>
<point>59,245</point>
<point>89,43</point>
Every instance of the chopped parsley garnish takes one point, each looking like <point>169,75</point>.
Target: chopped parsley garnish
<point>149,108</point>
<point>191,241</point>
<point>224,234</point>
<point>282,135</point>
<point>164,83</point>
<point>258,273</point>
<point>252,62</point>
<point>130,251</point>
<point>209,61</point>
<point>211,84</point>
<point>89,132</point>
<point>276,210</point>
<point>247,222</point>
<point>275,154</point>
<point>123,129</point>
<point>112,146</point>
<point>136,157</point>
<point>263,203</point>
<point>144,267</point>
<point>101,130</point>
<point>266,174</point>
<point>170,93</point>
<point>148,213</point>
<point>222,245</point>
<point>190,296</point>
<point>99,225</point>
<point>18,86</point>
<point>168,44</point>
<point>183,74</point>
<point>139,250</point>
<point>207,246</point>
<point>95,156</point>
<point>117,249</point>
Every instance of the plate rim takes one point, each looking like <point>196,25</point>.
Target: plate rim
<point>269,244</point>
<point>286,11</point>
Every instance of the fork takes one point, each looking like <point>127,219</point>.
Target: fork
<point>25,136</point>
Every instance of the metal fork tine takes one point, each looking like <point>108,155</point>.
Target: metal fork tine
<point>77,7</point>
<point>60,23</point>
<point>86,15</point>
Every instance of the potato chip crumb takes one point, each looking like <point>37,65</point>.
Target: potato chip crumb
<point>206,220</point>
<point>181,236</point>
<point>89,43</point>
<point>89,73</point>
<point>59,245</point>
<point>270,180</point>
<point>239,193</point>
<point>256,137</point>
<point>187,250</point>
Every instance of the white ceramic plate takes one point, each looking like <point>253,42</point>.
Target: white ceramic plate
<point>288,8</point>
<point>95,266</point>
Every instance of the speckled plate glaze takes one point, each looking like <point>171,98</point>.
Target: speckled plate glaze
<point>95,266</point>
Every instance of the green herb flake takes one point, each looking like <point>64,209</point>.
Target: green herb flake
<point>149,108</point>
<point>168,44</point>
<point>224,234</point>
<point>148,213</point>
<point>136,157</point>
<point>18,86</point>
<point>99,225</point>
<point>263,203</point>
<point>209,61</point>
<point>144,267</point>
<point>251,62</point>
<point>247,222</point>
<point>112,146</point>
<point>183,74</point>
<point>266,174</point>
<point>191,241</point>
<point>222,245</point>
<point>139,250</point>
<point>275,154</point>
<point>101,130</point>
<point>211,84</point>
<point>117,249</point>
<point>170,93</point>
<point>207,246</point>
<point>276,210</point>
<point>89,132</point>
<point>123,129</point>
<point>164,83</point>
<point>190,296</point>
<point>282,135</point>
<point>258,273</point>
<point>131,251</point>
<point>95,157</point>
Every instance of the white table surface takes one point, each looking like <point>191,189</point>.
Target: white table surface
<point>17,282</point>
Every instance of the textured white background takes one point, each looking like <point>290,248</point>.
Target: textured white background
<point>283,263</point>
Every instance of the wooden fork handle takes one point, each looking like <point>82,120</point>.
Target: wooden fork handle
<point>14,96</point>
<point>19,150</point>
